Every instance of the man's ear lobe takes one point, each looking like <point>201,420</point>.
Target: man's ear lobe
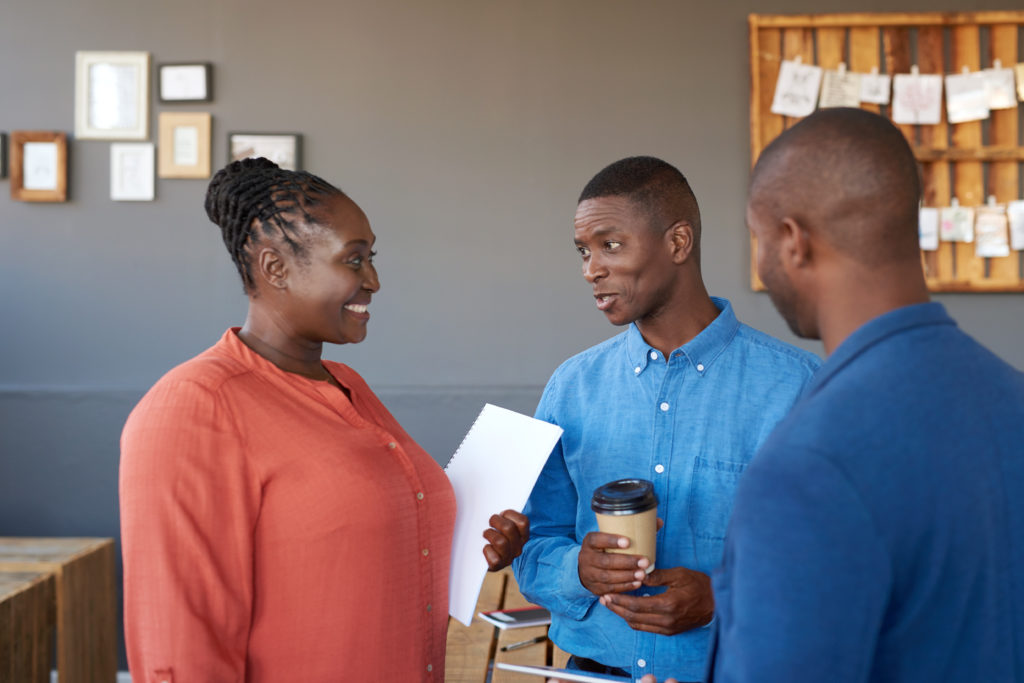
<point>681,239</point>
<point>794,243</point>
<point>271,268</point>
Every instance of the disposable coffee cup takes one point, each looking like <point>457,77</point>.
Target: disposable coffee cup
<point>629,507</point>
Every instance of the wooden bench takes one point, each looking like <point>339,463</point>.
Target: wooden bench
<point>86,613</point>
<point>27,614</point>
<point>473,651</point>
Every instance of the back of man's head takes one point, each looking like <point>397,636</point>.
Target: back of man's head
<point>850,177</point>
<point>655,187</point>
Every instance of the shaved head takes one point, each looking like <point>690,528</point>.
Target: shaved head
<point>850,177</point>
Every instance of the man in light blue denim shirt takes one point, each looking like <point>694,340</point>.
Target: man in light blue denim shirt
<point>683,397</point>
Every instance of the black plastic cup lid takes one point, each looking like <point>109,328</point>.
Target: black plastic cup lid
<point>624,497</point>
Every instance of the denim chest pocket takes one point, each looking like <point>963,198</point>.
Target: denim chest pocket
<point>712,490</point>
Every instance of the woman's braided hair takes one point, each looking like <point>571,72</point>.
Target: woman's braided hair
<point>253,193</point>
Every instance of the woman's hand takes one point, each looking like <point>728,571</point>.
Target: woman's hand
<point>508,534</point>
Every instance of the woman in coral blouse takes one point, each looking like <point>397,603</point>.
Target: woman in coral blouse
<point>277,522</point>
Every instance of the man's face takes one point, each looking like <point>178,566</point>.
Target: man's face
<point>627,261</point>
<point>770,269</point>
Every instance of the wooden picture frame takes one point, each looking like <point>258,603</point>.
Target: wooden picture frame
<point>111,95</point>
<point>185,82</point>
<point>39,166</point>
<point>132,171</point>
<point>284,149</point>
<point>184,145</point>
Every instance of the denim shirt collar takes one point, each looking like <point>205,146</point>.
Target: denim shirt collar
<point>875,331</point>
<point>701,351</point>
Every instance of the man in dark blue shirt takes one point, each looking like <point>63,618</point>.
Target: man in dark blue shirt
<point>878,535</point>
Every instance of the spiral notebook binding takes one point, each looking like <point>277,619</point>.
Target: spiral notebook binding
<point>470,431</point>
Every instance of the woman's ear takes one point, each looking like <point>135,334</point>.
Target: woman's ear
<point>271,268</point>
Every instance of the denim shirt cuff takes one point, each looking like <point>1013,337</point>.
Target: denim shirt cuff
<point>578,600</point>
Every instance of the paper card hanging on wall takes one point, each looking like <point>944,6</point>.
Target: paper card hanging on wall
<point>999,88</point>
<point>917,99</point>
<point>1015,214</point>
<point>875,87</point>
<point>956,224</point>
<point>796,91</point>
<point>928,228</point>
<point>966,97</point>
<point>840,88</point>
<point>990,233</point>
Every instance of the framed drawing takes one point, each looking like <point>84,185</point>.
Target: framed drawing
<point>284,149</point>
<point>3,155</point>
<point>112,95</point>
<point>39,166</point>
<point>184,145</point>
<point>191,82</point>
<point>131,172</point>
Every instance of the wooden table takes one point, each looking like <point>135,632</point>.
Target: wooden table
<point>473,651</point>
<point>86,616</point>
<point>27,608</point>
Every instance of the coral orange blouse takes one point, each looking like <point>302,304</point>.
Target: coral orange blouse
<point>274,530</point>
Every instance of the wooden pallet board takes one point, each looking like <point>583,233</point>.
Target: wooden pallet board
<point>970,161</point>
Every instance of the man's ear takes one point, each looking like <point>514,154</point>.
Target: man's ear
<point>680,237</point>
<point>795,250</point>
<point>271,268</point>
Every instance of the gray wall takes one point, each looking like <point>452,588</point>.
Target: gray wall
<point>465,129</point>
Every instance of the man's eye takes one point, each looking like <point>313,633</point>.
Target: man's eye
<point>583,251</point>
<point>611,245</point>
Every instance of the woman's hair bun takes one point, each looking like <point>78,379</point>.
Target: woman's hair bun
<point>224,185</point>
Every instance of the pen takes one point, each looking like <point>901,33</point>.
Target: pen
<point>531,641</point>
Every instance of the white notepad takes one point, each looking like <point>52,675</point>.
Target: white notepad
<point>494,469</point>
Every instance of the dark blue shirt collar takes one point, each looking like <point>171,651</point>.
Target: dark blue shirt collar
<point>701,351</point>
<point>875,331</point>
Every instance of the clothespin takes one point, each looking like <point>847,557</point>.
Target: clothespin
<point>992,200</point>
<point>965,70</point>
<point>997,63</point>
<point>841,69</point>
<point>874,71</point>
<point>798,59</point>
<point>954,203</point>
<point>914,71</point>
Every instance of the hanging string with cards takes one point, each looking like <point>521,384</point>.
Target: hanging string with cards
<point>916,99</point>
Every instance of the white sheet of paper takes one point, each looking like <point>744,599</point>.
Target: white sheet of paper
<point>928,228</point>
<point>999,88</point>
<point>796,91</point>
<point>186,146</point>
<point>917,99</point>
<point>990,239</point>
<point>39,166</point>
<point>494,469</point>
<point>966,97</point>
<point>1015,214</point>
<point>113,96</point>
<point>839,89</point>
<point>1019,70</point>
<point>956,224</point>
<point>875,88</point>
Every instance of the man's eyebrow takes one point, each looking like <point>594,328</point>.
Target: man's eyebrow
<point>601,232</point>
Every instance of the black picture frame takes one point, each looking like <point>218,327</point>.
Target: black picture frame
<point>3,155</point>
<point>184,91</point>
<point>276,147</point>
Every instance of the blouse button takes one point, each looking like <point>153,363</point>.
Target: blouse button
<point>425,552</point>
<point>392,445</point>
<point>429,608</point>
<point>430,667</point>
<point>419,496</point>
